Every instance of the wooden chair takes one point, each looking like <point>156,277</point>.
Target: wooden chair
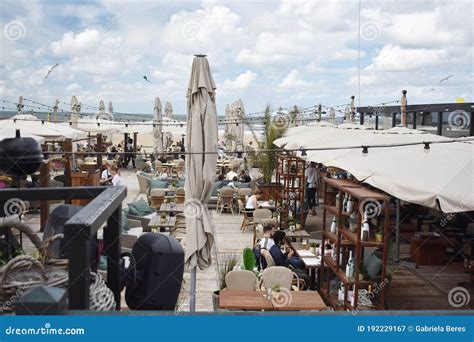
<point>260,216</point>
<point>157,197</point>
<point>244,194</point>
<point>247,221</point>
<point>241,280</point>
<point>225,199</point>
<point>180,195</point>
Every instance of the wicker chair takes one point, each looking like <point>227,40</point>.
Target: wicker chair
<point>180,195</point>
<point>248,221</point>
<point>225,199</point>
<point>282,277</point>
<point>243,194</point>
<point>241,280</point>
<point>157,197</point>
<point>260,216</point>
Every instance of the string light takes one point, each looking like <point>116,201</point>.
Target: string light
<point>426,149</point>
<point>365,151</point>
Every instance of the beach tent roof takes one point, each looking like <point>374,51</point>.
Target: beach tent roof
<point>444,175</point>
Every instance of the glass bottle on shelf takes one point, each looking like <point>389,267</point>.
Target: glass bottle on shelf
<point>338,196</point>
<point>353,296</point>
<point>353,222</point>
<point>334,225</point>
<point>334,252</point>
<point>350,267</point>
<point>344,203</point>
<point>365,231</point>
<point>350,204</point>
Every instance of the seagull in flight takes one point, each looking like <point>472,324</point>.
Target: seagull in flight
<point>146,79</point>
<point>446,78</point>
<point>51,70</point>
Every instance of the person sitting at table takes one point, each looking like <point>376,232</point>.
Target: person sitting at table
<point>284,259</point>
<point>252,202</point>
<point>231,174</point>
<point>164,175</point>
<point>231,184</point>
<point>265,243</point>
<point>244,178</point>
<point>116,179</point>
<point>106,176</point>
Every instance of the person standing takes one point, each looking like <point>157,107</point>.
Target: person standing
<point>311,176</point>
<point>130,153</point>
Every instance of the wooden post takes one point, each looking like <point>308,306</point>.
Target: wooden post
<point>376,121</point>
<point>414,120</point>
<point>394,119</point>
<point>439,130</point>
<point>361,118</point>
<point>44,183</point>
<point>135,135</point>
<point>98,148</point>
<point>67,146</point>
<point>471,129</point>
<point>403,108</point>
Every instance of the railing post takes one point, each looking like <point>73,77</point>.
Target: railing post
<point>112,251</point>
<point>42,300</point>
<point>376,121</point>
<point>414,120</point>
<point>361,118</point>
<point>439,130</point>
<point>79,270</point>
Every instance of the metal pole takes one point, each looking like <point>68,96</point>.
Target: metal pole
<point>439,130</point>
<point>471,129</point>
<point>376,121</point>
<point>414,120</point>
<point>394,119</point>
<point>397,232</point>
<point>192,290</point>
<point>361,118</point>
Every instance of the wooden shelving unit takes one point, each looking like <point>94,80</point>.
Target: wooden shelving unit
<point>290,195</point>
<point>345,240</point>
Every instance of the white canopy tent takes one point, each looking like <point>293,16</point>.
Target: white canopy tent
<point>9,132</point>
<point>443,175</point>
<point>31,125</point>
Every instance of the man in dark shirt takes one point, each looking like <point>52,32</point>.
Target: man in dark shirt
<point>284,259</point>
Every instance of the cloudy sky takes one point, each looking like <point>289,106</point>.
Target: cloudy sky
<point>283,52</point>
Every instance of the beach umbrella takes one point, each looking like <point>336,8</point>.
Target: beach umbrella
<point>157,129</point>
<point>168,110</point>
<point>240,127</point>
<point>200,168</point>
<point>75,112</point>
<point>10,132</point>
<point>111,108</point>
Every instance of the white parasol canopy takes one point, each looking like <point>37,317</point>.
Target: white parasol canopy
<point>10,132</point>
<point>157,130</point>
<point>202,135</point>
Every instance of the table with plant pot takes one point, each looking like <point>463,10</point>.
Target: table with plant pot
<point>312,262</point>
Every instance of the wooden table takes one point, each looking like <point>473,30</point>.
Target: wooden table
<point>255,301</point>
<point>171,208</point>
<point>244,300</point>
<point>303,301</point>
<point>297,235</point>
<point>156,222</point>
<point>266,205</point>
<point>311,262</point>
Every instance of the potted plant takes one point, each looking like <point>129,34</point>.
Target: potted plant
<point>268,160</point>
<point>312,247</point>
<point>163,218</point>
<point>228,263</point>
<point>379,235</point>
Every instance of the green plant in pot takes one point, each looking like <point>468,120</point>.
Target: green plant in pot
<point>379,235</point>
<point>228,262</point>
<point>312,247</point>
<point>273,131</point>
<point>249,259</point>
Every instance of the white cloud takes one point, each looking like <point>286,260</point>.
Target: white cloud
<point>240,82</point>
<point>293,80</point>
<point>76,44</point>
<point>73,87</point>
<point>395,58</point>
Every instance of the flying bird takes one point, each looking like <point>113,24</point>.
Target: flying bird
<point>146,79</point>
<point>446,78</point>
<point>51,70</point>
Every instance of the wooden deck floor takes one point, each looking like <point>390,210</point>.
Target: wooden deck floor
<point>411,289</point>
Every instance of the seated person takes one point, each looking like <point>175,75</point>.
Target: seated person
<point>244,178</point>
<point>231,174</point>
<point>284,259</point>
<point>231,184</point>
<point>165,174</point>
<point>252,202</point>
<point>116,179</point>
<point>264,245</point>
<point>106,176</point>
